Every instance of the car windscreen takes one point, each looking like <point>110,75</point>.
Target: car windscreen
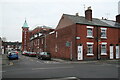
<point>45,53</point>
<point>13,53</point>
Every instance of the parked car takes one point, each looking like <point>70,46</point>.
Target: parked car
<point>24,52</point>
<point>44,55</point>
<point>32,54</point>
<point>12,55</point>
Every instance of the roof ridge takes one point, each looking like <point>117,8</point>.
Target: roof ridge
<point>95,21</point>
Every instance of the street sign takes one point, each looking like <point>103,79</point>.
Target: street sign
<point>68,44</point>
<point>77,37</point>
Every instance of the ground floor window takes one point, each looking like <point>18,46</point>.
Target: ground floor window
<point>56,48</point>
<point>90,49</point>
<point>103,49</point>
<point>117,51</point>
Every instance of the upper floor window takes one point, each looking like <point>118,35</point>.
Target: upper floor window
<point>56,34</point>
<point>42,41</point>
<point>56,48</point>
<point>103,32</point>
<point>89,31</point>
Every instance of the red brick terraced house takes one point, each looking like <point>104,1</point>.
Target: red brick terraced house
<point>82,38</point>
<point>34,40</point>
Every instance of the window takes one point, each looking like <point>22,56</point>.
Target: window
<point>25,32</point>
<point>35,35</point>
<point>89,31</point>
<point>103,49</point>
<point>56,48</point>
<point>40,34</point>
<point>38,42</point>
<point>42,41</point>
<point>56,34</point>
<point>90,49</point>
<point>103,33</point>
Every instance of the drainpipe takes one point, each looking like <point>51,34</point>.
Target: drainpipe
<point>45,42</point>
<point>98,49</point>
<point>71,56</point>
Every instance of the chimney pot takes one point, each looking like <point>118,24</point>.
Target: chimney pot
<point>89,8</point>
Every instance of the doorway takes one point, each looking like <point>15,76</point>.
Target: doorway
<point>80,53</point>
<point>111,52</point>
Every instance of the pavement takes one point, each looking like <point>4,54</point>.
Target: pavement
<point>95,61</point>
<point>4,60</point>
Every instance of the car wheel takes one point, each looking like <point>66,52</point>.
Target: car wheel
<point>38,57</point>
<point>41,58</point>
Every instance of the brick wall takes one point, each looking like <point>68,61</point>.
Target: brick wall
<point>63,35</point>
<point>112,38</point>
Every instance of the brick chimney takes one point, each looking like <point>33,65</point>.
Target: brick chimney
<point>118,18</point>
<point>88,14</point>
<point>77,14</point>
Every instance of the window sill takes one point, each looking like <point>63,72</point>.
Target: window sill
<point>103,53</point>
<point>104,37</point>
<point>90,37</point>
<point>90,54</point>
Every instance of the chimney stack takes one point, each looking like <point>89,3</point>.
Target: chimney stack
<point>118,18</point>
<point>88,14</point>
<point>77,14</point>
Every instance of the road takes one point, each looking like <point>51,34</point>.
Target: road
<point>31,67</point>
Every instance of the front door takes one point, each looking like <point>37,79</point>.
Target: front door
<point>80,53</point>
<point>117,52</point>
<point>111,52</point>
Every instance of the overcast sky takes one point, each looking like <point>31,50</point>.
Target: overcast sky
<point>47,12</point>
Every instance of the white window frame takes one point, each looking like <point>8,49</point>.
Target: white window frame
<point>90,54</point>
<point>42,41</point>
<point>56,48</point>
<point>56,34</point>
<point>105,33</point>
<point>104,43</point>
<point>38,42</point>
<point>40,34</point>
<point>52,32</point>
<point>90,27</point>
<point>36,35</point>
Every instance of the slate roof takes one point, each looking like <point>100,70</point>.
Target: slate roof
<point>95,21</point>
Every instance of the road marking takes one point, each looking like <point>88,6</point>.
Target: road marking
<point>11,63</point>
<point>52,68</point>
<point>118,66</point>
<point>40,62</point>
<point>31,59</point>
<point>66,78</point>
<point>2,71</point>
